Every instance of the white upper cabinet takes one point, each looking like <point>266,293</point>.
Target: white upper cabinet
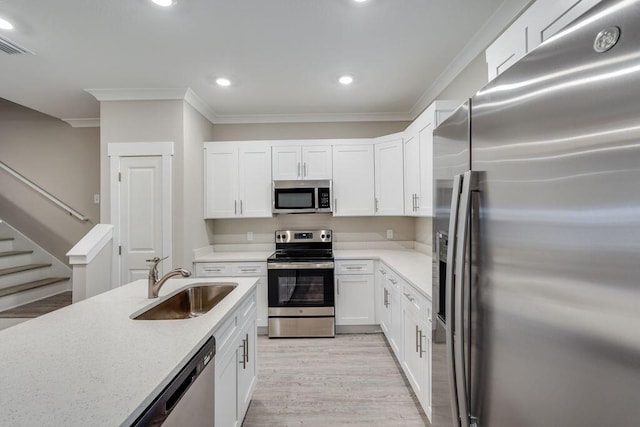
<point>237,180</point>
<point>543,19</point>
<point>389,176</point>
<point>353,180</point>
<point>291,162</point>
<point>418,158</point>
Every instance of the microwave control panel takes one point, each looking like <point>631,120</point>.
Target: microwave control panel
<point>324,198</point>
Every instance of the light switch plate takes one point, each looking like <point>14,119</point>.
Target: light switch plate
<point>249,235</point>
<point>389,234</point>
<point>96,199</point>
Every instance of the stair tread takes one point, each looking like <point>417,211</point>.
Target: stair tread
<point>30,285</point>
<point>40,307</point>
<point>13,253</point>
<point>21,268</point>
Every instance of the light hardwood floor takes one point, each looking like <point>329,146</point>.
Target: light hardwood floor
<point>350,380</point>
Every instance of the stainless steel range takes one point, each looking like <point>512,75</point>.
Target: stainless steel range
<point>301,285</point>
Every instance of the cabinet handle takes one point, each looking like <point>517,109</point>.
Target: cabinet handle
<point>240,207</point>
<point>421,350</point>
<point>376,204</point>
<point>418,345</point>
<point>409,297</point>
<point>244,270</point>
<point>386,297</point>
<point>338,285</point>
<point>417,203</point>
<point>235,207</point>
<point>335,205</point>
<point>305,169</point>
<point>349,267</point>
<point>247,346</point>
<point>413,202</point>
<point>244,354</point>
<point>215,270</point>
<point>393,281</point>
<point>384,273</point>
<point>298,169</point>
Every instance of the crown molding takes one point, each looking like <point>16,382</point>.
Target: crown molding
<point>83,123</point>
<point>200,105</point>
<point>139,94</point>
<point>495,25</point>
<point>312,118</point>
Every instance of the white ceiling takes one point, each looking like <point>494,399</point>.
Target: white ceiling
<point>283,56</point>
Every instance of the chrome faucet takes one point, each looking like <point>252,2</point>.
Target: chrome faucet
<point>154,283</point>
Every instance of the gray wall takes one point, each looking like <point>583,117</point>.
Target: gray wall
<point>62,160</point>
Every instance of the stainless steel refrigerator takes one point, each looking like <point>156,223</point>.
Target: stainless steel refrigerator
<point>537,236</point>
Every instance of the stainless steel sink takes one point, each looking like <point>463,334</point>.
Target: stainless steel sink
<point>193,301</point>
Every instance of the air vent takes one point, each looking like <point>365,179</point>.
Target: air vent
<point>7,46</point>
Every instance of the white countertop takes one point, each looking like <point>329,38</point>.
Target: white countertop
<point>89,364</point>
<point>411,265</point>
<point>256,256</point>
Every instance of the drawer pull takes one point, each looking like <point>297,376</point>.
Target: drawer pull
<point>248,269</point>
<point>384,273</point>
<point>349,267</point>
<point>393,281</point>
<point>409,297</point>
<point>213,269</point>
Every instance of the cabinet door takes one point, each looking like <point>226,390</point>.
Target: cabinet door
<point>412,174</point>
<point>396,333</point>
<point>353,180</point>
<point>221,181</point>
<point>316,162</point>
<point>424,201</point>
<point>287,162</point>
<point>507,49</point>
<point>355,299</point>
<point>546,17</point>
<point>255,181</point>
<point>389,180</point>
<point>416,354</point>
<point>247,365</point>
<point>263,302</point>
<point>226,388</point>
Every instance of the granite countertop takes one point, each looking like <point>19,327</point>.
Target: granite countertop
<point>255,256</point>
<point>90,364</point>
<point>412,266</point>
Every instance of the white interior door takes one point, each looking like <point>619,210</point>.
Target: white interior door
<point>140,219</point>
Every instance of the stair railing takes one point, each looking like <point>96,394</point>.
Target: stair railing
<point>43,192</point>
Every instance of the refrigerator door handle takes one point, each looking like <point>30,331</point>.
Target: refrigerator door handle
<point>461,346</point>
<point>450,292</point>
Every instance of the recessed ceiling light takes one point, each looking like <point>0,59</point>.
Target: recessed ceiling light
<point>5,25</point>
<point>221,81</point>
<point>345,80</point>
<point>164,3</point>
<point>360,1</point>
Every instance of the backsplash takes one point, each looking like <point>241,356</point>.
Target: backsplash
<point>345,229</point>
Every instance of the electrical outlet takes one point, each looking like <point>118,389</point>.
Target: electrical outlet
<point>389,234</point>
<point>96,199</point>
<point>249,235</point>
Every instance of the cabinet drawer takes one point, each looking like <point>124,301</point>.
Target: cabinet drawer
<point>354,267</point>
<point>417,302</point>
<point>249,269</point>
<point>213,269</point>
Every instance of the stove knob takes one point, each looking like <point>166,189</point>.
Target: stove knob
<point>322,236</point>
<point>328,236</point>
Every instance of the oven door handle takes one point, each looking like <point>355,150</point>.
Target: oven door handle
<point>299,265</point>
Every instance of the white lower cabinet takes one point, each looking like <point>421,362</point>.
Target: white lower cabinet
<point>235,364</point>
<point>240,269</point>
<point>417,346</point>
<point>355,297</point>
<point>405,319</point>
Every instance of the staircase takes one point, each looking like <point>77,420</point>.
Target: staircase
<point>29,274</point>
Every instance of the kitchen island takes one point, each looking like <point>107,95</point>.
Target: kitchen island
<point>91,364</point>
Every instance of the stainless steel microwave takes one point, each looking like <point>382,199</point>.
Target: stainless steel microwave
<point>312,196</point>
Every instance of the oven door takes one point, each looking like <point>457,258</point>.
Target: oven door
<point>300,284</point>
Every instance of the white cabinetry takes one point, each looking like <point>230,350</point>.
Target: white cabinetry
<point>391,317</point>
<point>355,292</point>
<point>543,19</point>
<point>291,162</point>
<point>239,269</point>
<point>389,176</point>
<point>416,325</point>
<point>353,180</point>
<point>418,158</point>
<point>237,180</point>
<point>235,364</point>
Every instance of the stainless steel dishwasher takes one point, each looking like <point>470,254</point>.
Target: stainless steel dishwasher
<point>188,401</point>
